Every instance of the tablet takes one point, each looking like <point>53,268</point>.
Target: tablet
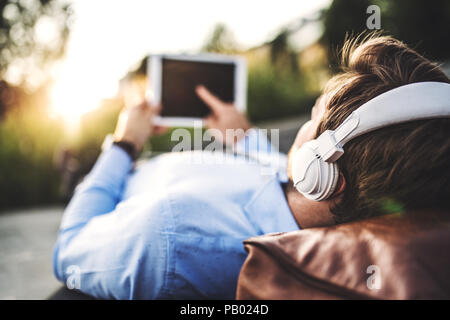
<point>173,78</point>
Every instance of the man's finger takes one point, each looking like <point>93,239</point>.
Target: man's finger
<point>209,99</point>
<point>160,130</point>
<point>155,108</point>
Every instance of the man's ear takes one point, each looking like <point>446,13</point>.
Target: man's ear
<point>340,187</point>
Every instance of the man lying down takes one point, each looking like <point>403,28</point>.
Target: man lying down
<point>172,228</point>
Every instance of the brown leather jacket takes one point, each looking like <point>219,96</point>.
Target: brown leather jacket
<point>408,254</point>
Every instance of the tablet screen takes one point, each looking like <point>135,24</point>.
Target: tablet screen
<point>179,79</point>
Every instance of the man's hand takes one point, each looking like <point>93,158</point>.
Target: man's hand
<point>224,115</point>
<point>135,124</point>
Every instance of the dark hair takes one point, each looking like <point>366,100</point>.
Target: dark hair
<point>397,168</point>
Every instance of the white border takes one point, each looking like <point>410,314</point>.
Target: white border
<point>154,72</point>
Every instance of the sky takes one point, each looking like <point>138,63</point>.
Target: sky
<point>109,36</point>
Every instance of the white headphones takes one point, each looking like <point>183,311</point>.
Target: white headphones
<point>314,169</point>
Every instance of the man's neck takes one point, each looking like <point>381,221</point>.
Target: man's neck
<point>307,213</point>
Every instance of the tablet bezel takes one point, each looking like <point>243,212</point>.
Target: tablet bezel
<point>155,79</point>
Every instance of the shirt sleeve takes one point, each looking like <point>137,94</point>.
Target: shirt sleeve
<point>255,140</point>
<point>100,191</point>
<point>111,250</point>
<point>256,145</point>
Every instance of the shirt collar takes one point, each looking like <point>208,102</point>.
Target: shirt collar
<point>268,208</point>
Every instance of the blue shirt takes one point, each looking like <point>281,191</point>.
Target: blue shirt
<point>173,227</point>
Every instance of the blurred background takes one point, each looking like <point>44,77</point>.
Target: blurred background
<point>66,67</point>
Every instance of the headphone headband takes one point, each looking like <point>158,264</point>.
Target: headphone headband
<point>314,170</point>
<point>403,104</point>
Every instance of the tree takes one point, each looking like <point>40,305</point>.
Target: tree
<point>342,17</point>
<point>221,40</point>
<point>423,25</point>
<point>23,25</point>
<point>33,33</point>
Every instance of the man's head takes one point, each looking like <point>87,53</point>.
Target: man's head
<point>404,166</point>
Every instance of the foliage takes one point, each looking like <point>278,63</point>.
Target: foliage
<point>273,94</point>
<point>27,172</point>
<point>420,24</point>
<point>221,40</point>
<point>423,25</point>
<point>18,23</point>
<point>26,50</point>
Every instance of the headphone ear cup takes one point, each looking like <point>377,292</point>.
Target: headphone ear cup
<point>313,177</point>
<point>327,175</point>
<point>333,178</point>
<point>305,169</point>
